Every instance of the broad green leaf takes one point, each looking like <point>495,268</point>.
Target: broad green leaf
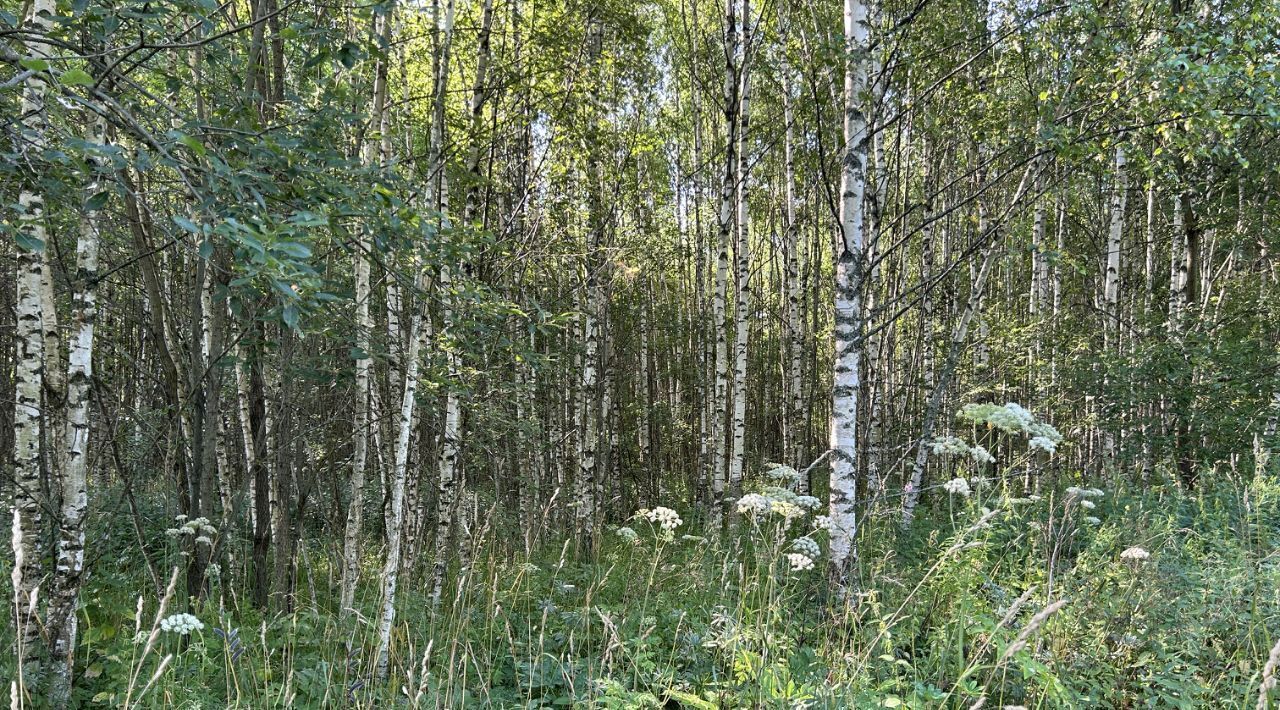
<point>76,77</point>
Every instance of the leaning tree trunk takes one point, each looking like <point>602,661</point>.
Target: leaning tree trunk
<point>911,491</point>
<point>391,567</point>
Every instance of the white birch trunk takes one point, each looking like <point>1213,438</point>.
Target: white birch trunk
<point>65,598</point>
<point>848,325</point>
<point>29,374</point>
<point>360,451</point>
<point>795,325</point>
<point>391,567</point>
<point>1111,283</point>
<point>742,306</point>
<point>720,402</point>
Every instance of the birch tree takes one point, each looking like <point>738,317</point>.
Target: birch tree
<point>849,320</point>
<point>32,272</point>
<point>364,325</point>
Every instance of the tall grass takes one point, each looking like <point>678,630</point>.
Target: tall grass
<point>990,600</point>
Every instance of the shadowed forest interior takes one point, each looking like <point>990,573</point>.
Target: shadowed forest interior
<point>640,354</point>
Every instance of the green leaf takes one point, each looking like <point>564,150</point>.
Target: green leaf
<point>186,224</point>
<point>690,699</point>
<point>97,201</point>
<point>76,77</point>
<point>294,249</point>
<point>290,316</point>
<point>196,146</point>
<point>30,243</point>
<point>34,64</point>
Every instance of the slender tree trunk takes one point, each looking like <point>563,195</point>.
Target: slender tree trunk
<point>742,307</point>
<point>32,268</point>
<point>589,384</point>
<point>360,452</point>
<point>391,566</point>
<point>720,403</point>
<point>794,416</point>
<point>849,320</point>
<point>65,597</point>
<point>1111,286</point>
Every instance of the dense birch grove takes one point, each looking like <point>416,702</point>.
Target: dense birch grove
<point>675,353</point>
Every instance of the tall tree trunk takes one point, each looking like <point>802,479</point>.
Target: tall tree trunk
<point>848,325</point>
<point>65,598</point>
<point>585,516</point>
<point>32,268</point>
<point>742,306</point>
<point>1111,286</point>
<point>391,566</point>
<point>794,415</point>
<point>720,402</point>
<point>360,452</point>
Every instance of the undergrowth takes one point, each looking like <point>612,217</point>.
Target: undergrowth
<point>1146,599</point>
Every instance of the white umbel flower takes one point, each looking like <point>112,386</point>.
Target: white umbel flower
<point>799,562</point>
<point>957,486</point>
<point>628,534</point>
<point>667,518</point>
<point>1043,443</point>
<point>808,502</point>
<point>753,503</point>
<point>181,624</point>
<point>782,473</point>
<point>953,445</point>
<point>807,547</point>
<point>1137,554</point>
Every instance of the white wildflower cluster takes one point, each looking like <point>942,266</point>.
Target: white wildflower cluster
<point>799,562</point>
<point>1083,495</point>
<point>822,522</point>
<point>529,568</point>
<point>1043,443</point>
<point>1013,418</point>
<point>952,445</point>
<point>666,518</point>
<point>181,624</point>
<point>786,509</point>
<point>199,528</point>
<point>808,502</point>
<point>778,501</point>
<point>1137,554</point>
<point>782,473</point>
<point>753,503</point>
<point>1092,520</point>
<point>807,546</point>
<point>628,535</point>
<point>981,455</point>
<point>955,446</point>
<point>958,487</point>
